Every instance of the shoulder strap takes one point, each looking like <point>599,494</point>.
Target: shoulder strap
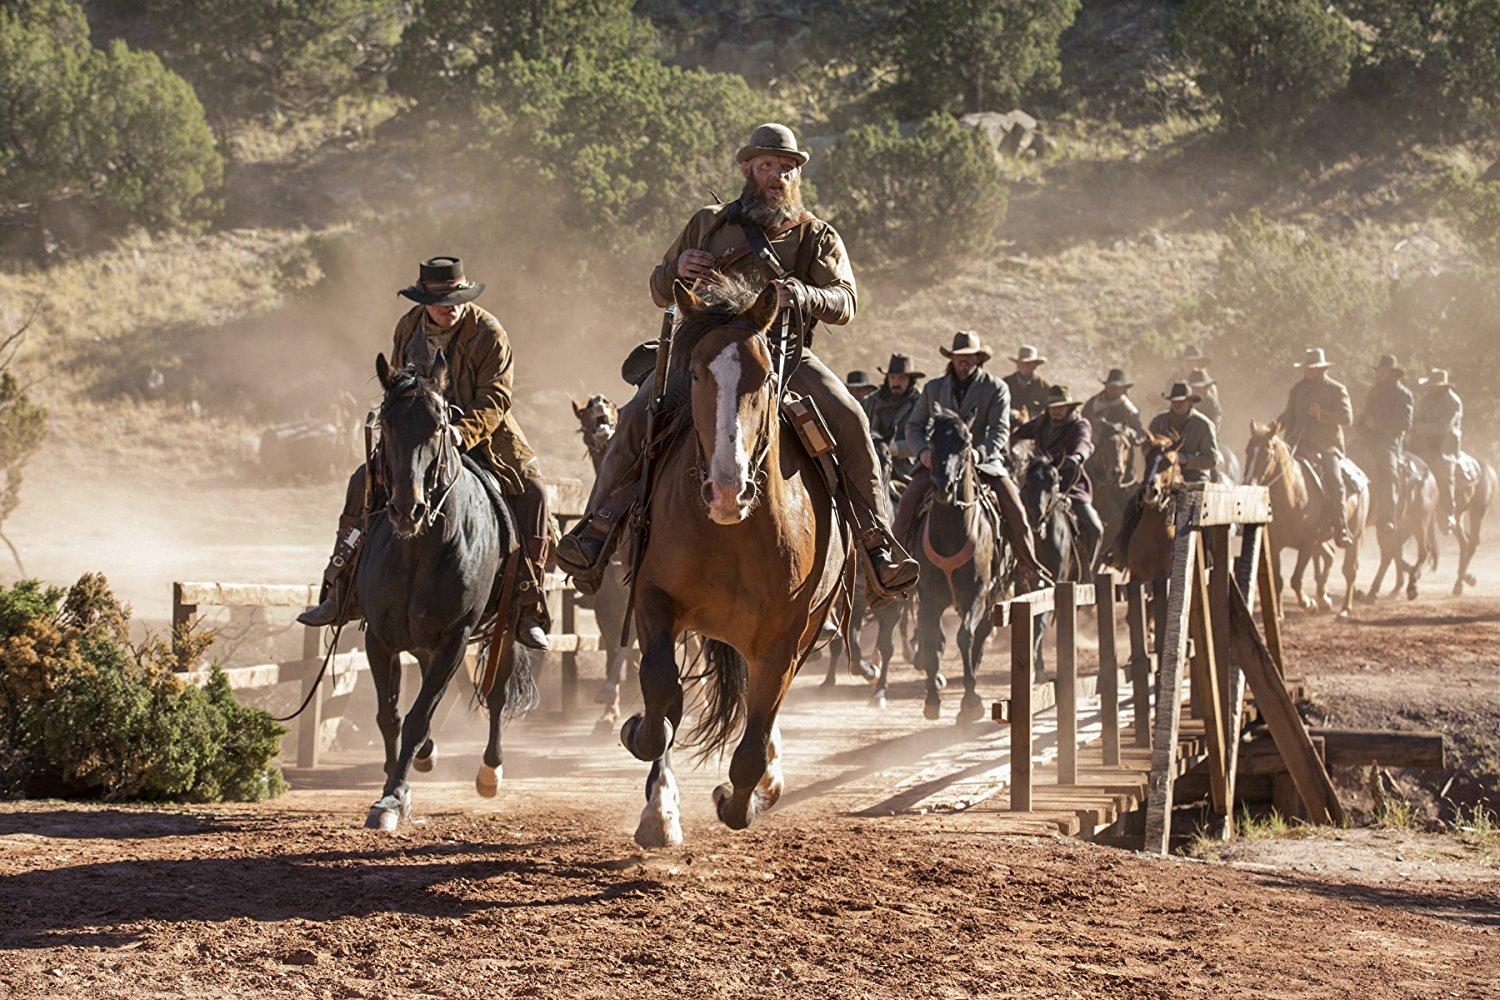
<point>738,253</point>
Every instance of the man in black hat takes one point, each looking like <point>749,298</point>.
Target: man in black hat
<point>1065,438</point>
<point>1192,368</point>
<point>1317,411</point>
<point>1028,390</point>
<point>859,385</point>
<point>1437,435</point>
<point>481,369</point>
<point>768,237</point>
<point>983,401</point>
<point>1113,404</point>
<point>889,408</point>
<point>1383,424</point>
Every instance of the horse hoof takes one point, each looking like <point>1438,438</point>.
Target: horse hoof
<point>1411,593</point>
<point>723,797</point>
<point>605,725</point>
<point>487,781</point>
<point>932,710</point>
<point>388,813</point>
<point>635,741</point>
<point>1343,615</point>
<point>939,681</point>
<point>829,681</point>
<point>970,710</point>
<point>661,820</point>
<point>1458,589</point>
<point>1470,580</point>
<point>424,764</point>
<point>864,671</point>
<point>877,700</point>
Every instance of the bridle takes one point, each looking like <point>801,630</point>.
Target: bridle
<point>1252,457</point>
<point>698,470</point>
<point>443,471</point>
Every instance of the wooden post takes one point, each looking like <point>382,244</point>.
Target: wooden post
<point>1140,663</point>
<point>1067,683</point>
<point>1275,704</point>
<point>183,616</point>
<point>1109,667</point>
<point>1219,581</point>
<point>1270,602</point>
<point>1246,568</point>
<point>310,722</point>
<point>1172,650</point>
<point>569,659</point>
<point>1202,624</point>
<point>1022,635</point>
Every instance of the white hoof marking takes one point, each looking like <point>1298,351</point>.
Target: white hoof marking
<point>661,824</point>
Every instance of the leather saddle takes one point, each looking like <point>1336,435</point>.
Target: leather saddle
<point>1354,477</point>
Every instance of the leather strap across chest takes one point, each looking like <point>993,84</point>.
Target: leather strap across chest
<point>738,253</point>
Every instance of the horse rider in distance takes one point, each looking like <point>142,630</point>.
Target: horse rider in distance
<point>1198,456</point>
<point>1028,390</point>
<point>1437,433</point>
<point>1192,368</point>
<point>481,370</point>
<point>1384,423</point>
<point>1113,404</point>
<point>811,272</point>
<point>889,408</point>
<point>1065,438</point>
<point>984,403</point>
<point>1317,411</point>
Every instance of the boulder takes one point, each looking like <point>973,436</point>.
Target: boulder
<point>1010,133</point>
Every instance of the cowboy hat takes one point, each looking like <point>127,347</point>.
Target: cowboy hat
<point>1057,395</point>
<point>1117,377</point>
<point>441,282</point>
<point>1437,378</point>
<point>1313,357</point>
<point>1193,352</point>
<point>859,380</point>
<point>1179,391</point>
<point>1387,363</point>
<point>1198,379</point>
<point>1028,355</point>
<point>965,343</point>
<point>900,364</point>
<point>772,139</point>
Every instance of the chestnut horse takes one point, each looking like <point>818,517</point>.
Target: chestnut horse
<point>1148,552</point>
<point>1471,502</point>
<point>1416,521</point>
<point>1299,520</point>
<point>744,549</point>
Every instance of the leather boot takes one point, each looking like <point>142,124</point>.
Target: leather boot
<point>891,572</point>
<point>533,619</point>
<point>339,604</point>
<point>1341,536</point>
<point>1030,574</point>
<point>1448,483</point>
<point>584,552</point>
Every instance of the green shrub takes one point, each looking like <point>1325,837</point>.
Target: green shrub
<point>1267,63</point>
<point>632,145</point>
<point>112,128</point>
<point>959,55</point>
<point>1440,56</point>
<point>917,201</point>
<point>251,56</point>
<point>83,713</point>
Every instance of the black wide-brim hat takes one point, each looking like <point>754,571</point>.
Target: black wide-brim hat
<point>441,282</point>
<point>900,364</point>
<point>1181,391</point>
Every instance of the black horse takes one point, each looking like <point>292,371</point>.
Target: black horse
<point>1112,469</point>
<point>427,579</point>
<point>960,555</point>
<point>1050,512</point>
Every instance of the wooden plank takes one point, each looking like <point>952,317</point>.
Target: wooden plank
<point>567,497</point>
<point>310,722</point>
<point>1234,692</point>
<point>1270,602</point>
<point>1225,503</point>
<point>574,643</point>
<point>569,657</point>
<point>1388,748</point>
<point>1022,635</point>
<point>1208,676</point>
<point>246,595</point>
<point>1034,603</point>
<point>1067,684</point>
<point>1140,664</point>
<point>1109,675</point>
<point>1280,713</point>
<point>1172,649</point>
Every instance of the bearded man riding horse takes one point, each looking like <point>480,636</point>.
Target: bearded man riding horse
<point>766,237</point>
<point>447,329</point>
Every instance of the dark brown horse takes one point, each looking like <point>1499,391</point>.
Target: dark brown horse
<point>959,554</point>
<point>1147,554</point>
<point>1299,520</point>
<point>1111,469</point>
<point>745,549</point>
<point>597,420</point>
<point>1416,521</point>
<point>1472,497</point>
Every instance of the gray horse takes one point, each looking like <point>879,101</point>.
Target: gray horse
<point>427,578</point>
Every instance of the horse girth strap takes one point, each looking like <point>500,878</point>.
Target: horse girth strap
<point>948,564</point>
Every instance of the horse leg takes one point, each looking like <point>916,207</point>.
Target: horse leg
<point>492,768</point>
<point>648,733</point>
<point>1386,557</point>
<point>385,671</point>
<point>609,693</point>
<point>394,804</point>
<point>1351,572</point>
<point>1304,602</point>
<point>1468,544</point>
<point>930,641</point>
<point>1039,647</point>
<point>972,631</point>
<point>755,781</point>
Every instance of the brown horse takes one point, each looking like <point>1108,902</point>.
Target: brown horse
<point>597,420</point>
<point>1299,520</point>
<point>1471,501</point>
<point>1148,552</point>
<point>744,549</point>
<point>1416,521</point>
<point>1111,469</point>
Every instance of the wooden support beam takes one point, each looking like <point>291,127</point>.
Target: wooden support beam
<point>1388,748</point>
<point>1022,635</point>
<point>1225,503</point>
<point>1245,567</point>
<point>1140,663</point>
<point>1202,625</point>
<point>1037,602</point>
<point>1172,649</point>
<point>569,657</point>
<point>1067,685</point>
<point>310,722</point>
<point>1109,668</point>
<point>1270,602</point>
<point>184,611</point>
<point>1280,713</point>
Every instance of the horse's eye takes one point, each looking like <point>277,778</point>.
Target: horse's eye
<point>695,375</point>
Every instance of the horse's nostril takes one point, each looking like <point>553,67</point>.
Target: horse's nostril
<point>747,492</point>
<point>708,491</point>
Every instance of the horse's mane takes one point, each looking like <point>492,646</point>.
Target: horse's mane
<point>404,383</point>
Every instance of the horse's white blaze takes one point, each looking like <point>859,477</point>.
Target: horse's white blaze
<point>730,466</point>
<point>661,820</point>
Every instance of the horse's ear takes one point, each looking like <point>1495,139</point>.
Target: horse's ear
<point>1276,427</point>
<point>577,410</point>
<point>763,312</point>
<point>440,374</point>
<point>686,300</point>
<point>383,371</point>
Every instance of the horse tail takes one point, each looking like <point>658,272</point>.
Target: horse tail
<point>521,694</point>
<point>724,705</point>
